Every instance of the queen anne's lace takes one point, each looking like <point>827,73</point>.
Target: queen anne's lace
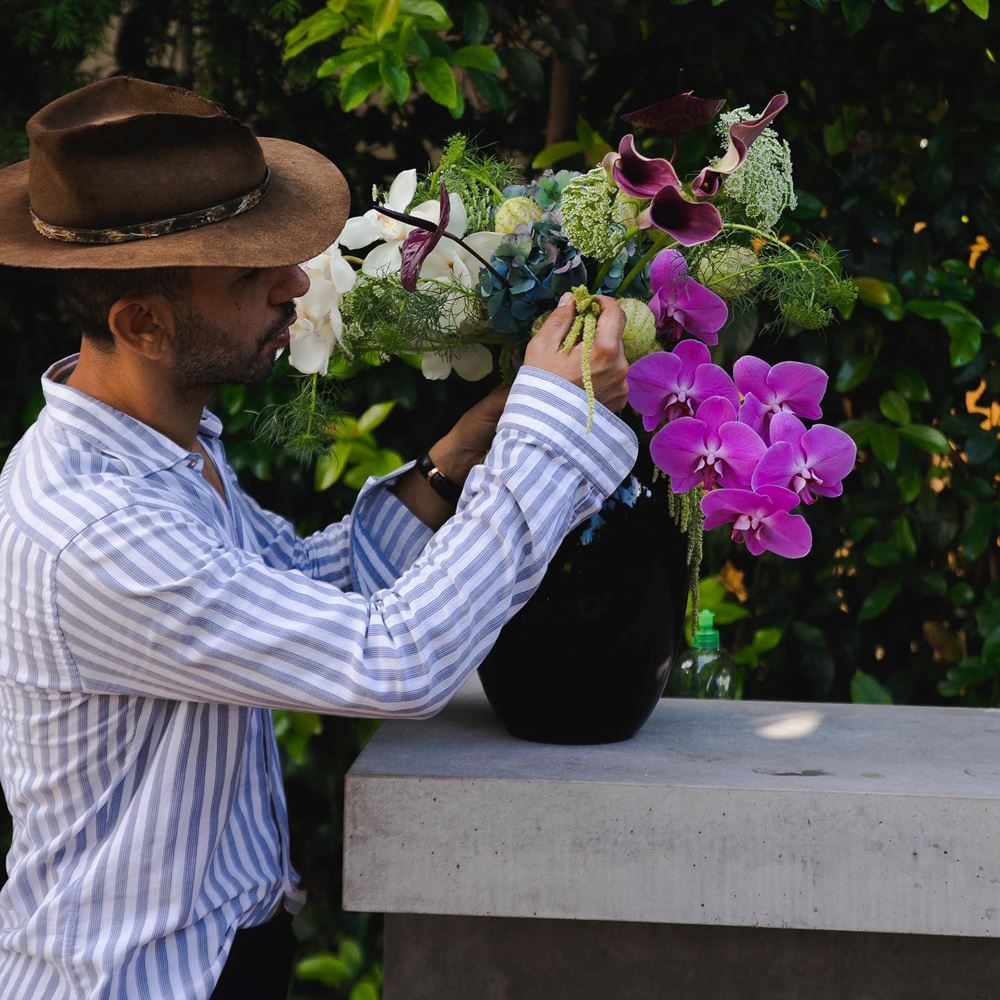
<point>594,217</point>
<point>763,184</point>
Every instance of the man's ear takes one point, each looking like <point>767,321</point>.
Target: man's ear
<point>144,323</point>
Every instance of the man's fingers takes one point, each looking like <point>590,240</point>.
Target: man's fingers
<point>555,328</point>
<point>610,324</point>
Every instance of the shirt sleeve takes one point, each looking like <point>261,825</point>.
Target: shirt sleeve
<point>364,551</point>
<point>152,602</point>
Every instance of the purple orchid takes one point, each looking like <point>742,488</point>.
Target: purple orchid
<point>687,222</point>
<point>710,448</point>
<point>419,243</point>
<point>741,138</point>
<point>756,416</point>
<point>760,519</point>
<point>637,175</point>
<point>667,385</point>
<point>789,386</point>
<point>809,462</point>
<point>680,304</point>
<point>676,114</point>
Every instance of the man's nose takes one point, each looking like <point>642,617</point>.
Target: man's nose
<point>292,283</point>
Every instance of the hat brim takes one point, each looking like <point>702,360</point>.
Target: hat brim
<point>302,214</point>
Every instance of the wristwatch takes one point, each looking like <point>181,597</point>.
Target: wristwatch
<point>439,482</point>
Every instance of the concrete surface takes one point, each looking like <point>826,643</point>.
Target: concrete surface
<point>741,814</point>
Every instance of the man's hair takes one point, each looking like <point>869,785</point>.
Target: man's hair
<point>89,294</point>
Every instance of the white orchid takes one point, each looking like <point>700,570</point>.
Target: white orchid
<point>318,325</point>
<point>449,262</point>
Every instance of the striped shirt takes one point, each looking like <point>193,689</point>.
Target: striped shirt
<point>148,627</point>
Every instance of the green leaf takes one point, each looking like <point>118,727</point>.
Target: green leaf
<point>991,649</point>
<point>412,41</point>
<point>865,690</point>
<point>315,28</point>
<point>525,71</point>
<point>330,467</point>
<point>878,601</point>
<point>912,385</point>
<point>357,83</point>
<point>859,430</point>
<point>294,730</point>
<point>476,57</point>
<point>981,447</point>
<point>933,6</point>
<point>909,488</point>
<point>437,78</point>
<point>823,6</point>
<point>976,536</point>
<point>853,371</point>
<point>894,5</point>
<point>885,444</point>
<point>363,991</point>
<point>965,338</point>
<point>374,416</point>
<point>428,11</point>
<point>394,76</point>
<point>856,14</point>
<point>476,23</point>
<point>894,407</point>
<point>981,8</point>
<point>352,57</point>
<point>944,310</point>
<point>384,461</point>
<point>930,439</point>
<point>491,90</point>
<point>873,292</point>
<point>324,968</point>
<point>556,152</point>
<point>386,12</point>
<point>882,554</point>
<point>458,109</point>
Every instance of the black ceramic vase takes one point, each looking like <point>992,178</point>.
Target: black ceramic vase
<point>587,658</point>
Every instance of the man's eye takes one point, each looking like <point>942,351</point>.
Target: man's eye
<point>252,273</point>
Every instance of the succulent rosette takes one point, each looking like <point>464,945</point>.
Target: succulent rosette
<point>456,267</point>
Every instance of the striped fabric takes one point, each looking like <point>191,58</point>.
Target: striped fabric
<point>148,627</point>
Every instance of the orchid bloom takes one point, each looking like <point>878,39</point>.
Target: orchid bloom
<point>741,138</point>
<point>809,462</point>
<point>373,226</point>
<point>760,519</point>
<point>680,304</point>
<point>667,385</point>
<point>318,324</point>
<point>789,386</point>
<point>710,448</point>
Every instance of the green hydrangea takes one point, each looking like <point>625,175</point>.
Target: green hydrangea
<point>594,217</point>
<point>763,184</point>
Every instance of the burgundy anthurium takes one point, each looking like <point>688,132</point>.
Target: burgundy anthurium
<point>676,114</point>
<point>680,304</point>
<point>666,385</point>
<point>711,448</point>
<point>637,175</point>
<point>741,138</point>
<point>420,242</point>
<point>809,462</point>
<point>760,519</point>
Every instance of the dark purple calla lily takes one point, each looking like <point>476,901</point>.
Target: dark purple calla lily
<point>676,114</point>
<point>637,175</point>
<point>680,304</point>
<point>741,138</point>
<point>420,242</point>
<point>710,448</point>
<point>667,385</point>
<point>688,222</point>
<point>809,462</point>
<point>760,519</point>
<point>789,386</point>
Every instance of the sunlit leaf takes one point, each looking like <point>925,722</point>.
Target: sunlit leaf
<point>865,690</point>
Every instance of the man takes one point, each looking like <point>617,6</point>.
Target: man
<point>152,613</point>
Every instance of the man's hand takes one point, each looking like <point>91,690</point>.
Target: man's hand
<point>607,359</point>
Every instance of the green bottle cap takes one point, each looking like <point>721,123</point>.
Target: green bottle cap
<point>706,637</point>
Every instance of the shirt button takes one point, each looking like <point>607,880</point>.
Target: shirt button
<point>192,462</point>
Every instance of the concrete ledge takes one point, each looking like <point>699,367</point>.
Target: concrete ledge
<point>753,814</point>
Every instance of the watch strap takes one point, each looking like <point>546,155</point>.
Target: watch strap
<point>439,482</point>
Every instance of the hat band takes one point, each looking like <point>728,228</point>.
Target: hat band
<point>159,227</point>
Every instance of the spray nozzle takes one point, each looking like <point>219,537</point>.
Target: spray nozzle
<point>707,637</point>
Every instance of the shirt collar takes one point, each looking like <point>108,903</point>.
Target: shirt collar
<point>139,446</point>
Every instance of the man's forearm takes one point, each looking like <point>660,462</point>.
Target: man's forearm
<point>455,461</point>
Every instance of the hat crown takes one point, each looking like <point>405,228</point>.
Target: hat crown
<point>123,152</point>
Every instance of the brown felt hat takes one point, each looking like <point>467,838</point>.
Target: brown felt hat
<point>125,173</point>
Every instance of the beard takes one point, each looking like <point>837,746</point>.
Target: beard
<point>208,355</point>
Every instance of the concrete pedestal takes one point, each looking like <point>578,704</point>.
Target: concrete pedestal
<point>771,843</point>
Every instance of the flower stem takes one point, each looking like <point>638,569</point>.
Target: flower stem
<point>660,242</point>
<point>606,266</point>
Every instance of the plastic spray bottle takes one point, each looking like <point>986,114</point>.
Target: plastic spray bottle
<point>704,670</point>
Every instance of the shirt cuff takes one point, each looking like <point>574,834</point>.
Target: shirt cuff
<point>553,411</point>
<point>386,536</point>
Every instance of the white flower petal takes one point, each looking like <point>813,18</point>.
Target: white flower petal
<point>485,244</point>
<point>383,259</point>
<point>342,275</point>
<point>458,220</point>
<point>435,366</point>
<point>309,346</point>
<point>360,231</point>
<point>402,190</point>
<point>473,362</point>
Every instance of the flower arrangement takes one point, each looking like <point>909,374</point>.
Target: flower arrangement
<point>465,262</point>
